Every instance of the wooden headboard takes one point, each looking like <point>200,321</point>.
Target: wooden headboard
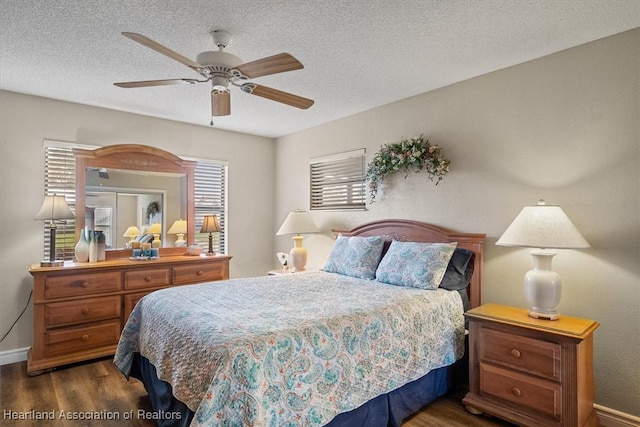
<point>415,231</point>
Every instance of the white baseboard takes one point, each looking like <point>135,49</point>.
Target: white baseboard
<point>612,418</point>
<point>13,356</point>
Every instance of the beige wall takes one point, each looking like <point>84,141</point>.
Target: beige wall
<point>26,120</point>
<point>564,128</point>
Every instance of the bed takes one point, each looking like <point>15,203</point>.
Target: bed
<point>355,344</point>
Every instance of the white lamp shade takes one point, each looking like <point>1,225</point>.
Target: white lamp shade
<point>54,207</point>
<point>298,222</point>
<point>543,226</point>
<point>132,232</point>
<point>178,227</point>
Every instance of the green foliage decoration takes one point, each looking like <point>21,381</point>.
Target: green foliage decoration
<point>414,154</point>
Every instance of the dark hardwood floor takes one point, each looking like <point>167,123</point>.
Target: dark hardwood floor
<point>98,389</point>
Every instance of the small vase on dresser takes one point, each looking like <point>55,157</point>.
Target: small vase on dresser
<point>93,246</point>
<point>82,248</point>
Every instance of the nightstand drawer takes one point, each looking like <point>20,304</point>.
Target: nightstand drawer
<point>78,339</point>
<point>82,311</point>
<point>529,393</point>
<point>149,278</point>
<point>81,284</point>
<point>526,354</point>
<point>197,273</point>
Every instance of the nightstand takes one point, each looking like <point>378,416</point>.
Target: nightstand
<point>531,372</point>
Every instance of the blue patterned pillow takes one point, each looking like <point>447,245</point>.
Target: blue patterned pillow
<point>355,256</point>
<point>417,265</point>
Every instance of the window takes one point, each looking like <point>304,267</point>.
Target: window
<point>210,179</point>
<point>60,179</point>
<point>338,181</point>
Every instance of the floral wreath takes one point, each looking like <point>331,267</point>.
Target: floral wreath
<point>152,209</point>
<point>409,154</point>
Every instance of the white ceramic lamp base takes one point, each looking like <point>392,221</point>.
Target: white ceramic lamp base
<point>298,255</point>
<point>543,286</point>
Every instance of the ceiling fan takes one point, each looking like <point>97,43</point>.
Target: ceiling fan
<point>221,69</point>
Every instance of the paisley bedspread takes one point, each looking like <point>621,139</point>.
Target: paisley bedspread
<point>290,350</point>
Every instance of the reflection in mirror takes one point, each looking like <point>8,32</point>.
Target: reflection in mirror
<point>118,199</point>
<point>145,170</point>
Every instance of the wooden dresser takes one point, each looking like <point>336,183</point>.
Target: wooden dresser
<point>79,309</point>
<point>531,372</point>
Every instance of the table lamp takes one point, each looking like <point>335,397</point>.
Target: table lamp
<point>543,226</point>
<point>210,224</point>
<point>132,232</point>
<point>155,229</point>
<point>179,228</point>
<point>298,222</point>
<point>53,208</point>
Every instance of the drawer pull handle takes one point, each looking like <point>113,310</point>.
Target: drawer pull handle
<point>516,392</point>
<point>85,284</point>
<point>515,353</point>
<point>199,272</point>
<point>84,337</point>
<point>147,278</point>
<point>84,311</point>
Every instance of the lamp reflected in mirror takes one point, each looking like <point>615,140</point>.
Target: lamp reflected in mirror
<point>156,230</point>
<point>179,228</point>
<point>132,232</point>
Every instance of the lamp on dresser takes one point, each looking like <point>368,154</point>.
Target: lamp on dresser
<point>545,227</point>
<point>297,223</point>
<point>54,208</point>
<point>210,224</point>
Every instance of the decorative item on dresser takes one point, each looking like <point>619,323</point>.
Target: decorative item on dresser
<point>80,308</point>
<point>529,371</point>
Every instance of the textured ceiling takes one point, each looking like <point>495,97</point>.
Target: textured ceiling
<point>358,54</point>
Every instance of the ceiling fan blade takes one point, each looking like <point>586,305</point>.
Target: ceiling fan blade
<point>220,103</point>
<point>147,83</point>
<point>271,65</point>
<point>146,41</point>
<point>277,95</point>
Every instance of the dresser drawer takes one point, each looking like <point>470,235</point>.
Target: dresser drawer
<point>526,354</point>
<point>530,393</point>
<point>81,284</point>
<point>148,278</point>
<point>69,340</point>
<point>81,311</point>
<point>185,274</point>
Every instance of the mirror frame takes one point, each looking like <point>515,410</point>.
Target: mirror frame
<point>139,158</point>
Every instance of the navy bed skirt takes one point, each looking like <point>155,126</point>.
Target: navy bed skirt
<point>387,410</point>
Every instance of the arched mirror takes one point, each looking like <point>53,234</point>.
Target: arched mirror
<point>127,185</point>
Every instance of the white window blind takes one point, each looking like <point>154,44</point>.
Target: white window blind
<point>60,179</point>
<point>338,181</point>
<point>210,179</point>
